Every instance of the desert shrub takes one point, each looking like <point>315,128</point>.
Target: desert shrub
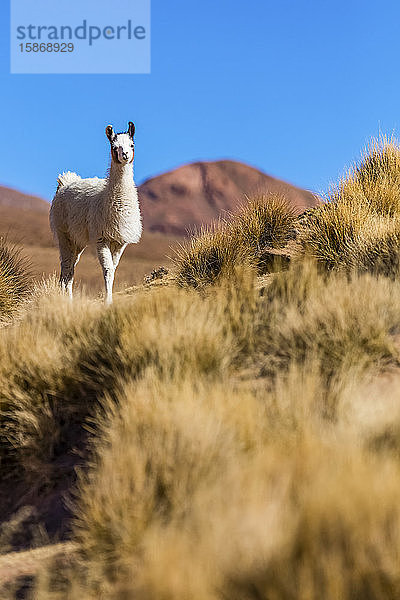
<point>208,255</point>
<point>257,497</point>
<point>360,215</point>
<point>374,180</point>
<point>295,286</point>
<point>166,446</point>
<point>41,401</point>
<point>15,279</point>
<point>340,543</point>
<point>327,232</point>
<point>377,251</point>
<point>340,321</point>
<point>350,238</point>
<point>263,224</point>
<point>378,175</point>
<point>265,221</point>
<point>57,364</point>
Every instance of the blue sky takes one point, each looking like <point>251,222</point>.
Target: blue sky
<point>295,88</point>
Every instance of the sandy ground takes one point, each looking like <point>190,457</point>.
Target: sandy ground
<point>137,261</point>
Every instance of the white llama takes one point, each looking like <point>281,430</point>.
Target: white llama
<point>101,211</point>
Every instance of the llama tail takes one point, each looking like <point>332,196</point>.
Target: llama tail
<point>66,179</point>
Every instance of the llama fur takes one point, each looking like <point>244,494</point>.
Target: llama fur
<point>104,212</point>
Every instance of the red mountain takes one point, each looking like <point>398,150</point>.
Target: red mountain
<point>199,193</point>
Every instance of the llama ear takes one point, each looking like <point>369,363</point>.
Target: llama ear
<point>110,132</point>
<point>131,129</point>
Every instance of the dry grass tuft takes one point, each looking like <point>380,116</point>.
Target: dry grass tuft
<point>264,223</point>
<point>208,255</point>
<point>15,279</point>
<point>378,174</point>
<point>259,496</point>
<point>361,215</point>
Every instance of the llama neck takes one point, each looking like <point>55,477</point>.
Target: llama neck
<point>120,179</point>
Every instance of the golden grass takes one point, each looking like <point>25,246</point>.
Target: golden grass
<point>240,443</point>
<point>264,223</point>
<point>15,279</point>
<point>224,493</point>
<point>358,226</point>
<point>235,451</point>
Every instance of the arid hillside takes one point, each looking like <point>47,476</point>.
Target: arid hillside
<point>172,204</point>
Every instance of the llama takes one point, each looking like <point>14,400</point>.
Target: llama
<point>101,211</point>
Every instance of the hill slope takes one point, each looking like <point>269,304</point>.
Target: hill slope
<point>13,198</point>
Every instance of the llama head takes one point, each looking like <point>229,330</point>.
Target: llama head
<point>122,144</point>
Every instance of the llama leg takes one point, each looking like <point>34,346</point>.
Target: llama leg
<point>117,252</point>
<point>77,256</point>
<point>106,261</point>
<point>69,257</point>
